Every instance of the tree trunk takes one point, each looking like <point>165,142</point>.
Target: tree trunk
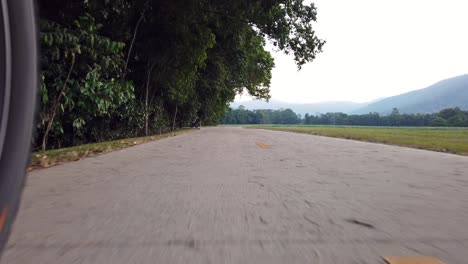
<point>173,123</point>
<point>131,44</point>
<point>53,110</point>
<point>146,102</point>
<point>160,115</point>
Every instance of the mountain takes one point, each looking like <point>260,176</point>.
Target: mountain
<point>448,93</point>
<point>302,109</point>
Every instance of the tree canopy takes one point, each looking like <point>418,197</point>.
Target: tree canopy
<point>118,68</point>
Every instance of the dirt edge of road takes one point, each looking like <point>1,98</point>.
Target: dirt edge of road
<point>54,157</point>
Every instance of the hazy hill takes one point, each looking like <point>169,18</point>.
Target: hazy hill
<point>325,107</point>
<point>448,93</point>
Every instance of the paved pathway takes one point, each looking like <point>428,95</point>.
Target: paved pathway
<point>233,195</point>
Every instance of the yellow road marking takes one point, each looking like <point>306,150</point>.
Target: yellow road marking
<point>262,145</point>
<point>412,260</point>
<point>3,217</point>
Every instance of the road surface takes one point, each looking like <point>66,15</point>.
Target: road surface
<point>233,195</point>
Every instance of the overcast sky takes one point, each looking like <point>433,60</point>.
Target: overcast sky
<point>377,48</point>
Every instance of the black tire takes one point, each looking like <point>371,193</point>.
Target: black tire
<point>18,91</point>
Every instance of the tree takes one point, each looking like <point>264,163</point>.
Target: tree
<point>395,117</point>
<point>458,120</point>
<point>81,80</point>
<point>438,122</point>
<point>119,68</point>
<point>449,112</point>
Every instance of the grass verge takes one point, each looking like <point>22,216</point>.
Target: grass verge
<point>451,140</point>
<point>48,158</point>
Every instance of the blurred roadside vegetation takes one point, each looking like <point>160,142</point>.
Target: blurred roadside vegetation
<point>115,69</point>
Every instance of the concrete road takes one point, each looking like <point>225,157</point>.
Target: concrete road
<point>215,196</point>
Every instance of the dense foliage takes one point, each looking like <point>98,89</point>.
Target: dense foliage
<point>453,117</point>
<point>242,116</point>
<point>119,68</point>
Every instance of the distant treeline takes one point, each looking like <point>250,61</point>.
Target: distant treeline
<point>244,116</point>
<point>453,117</point>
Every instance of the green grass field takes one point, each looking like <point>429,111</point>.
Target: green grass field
<point>452,140</point>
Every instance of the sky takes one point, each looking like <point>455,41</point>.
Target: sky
<point>375,49</point>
